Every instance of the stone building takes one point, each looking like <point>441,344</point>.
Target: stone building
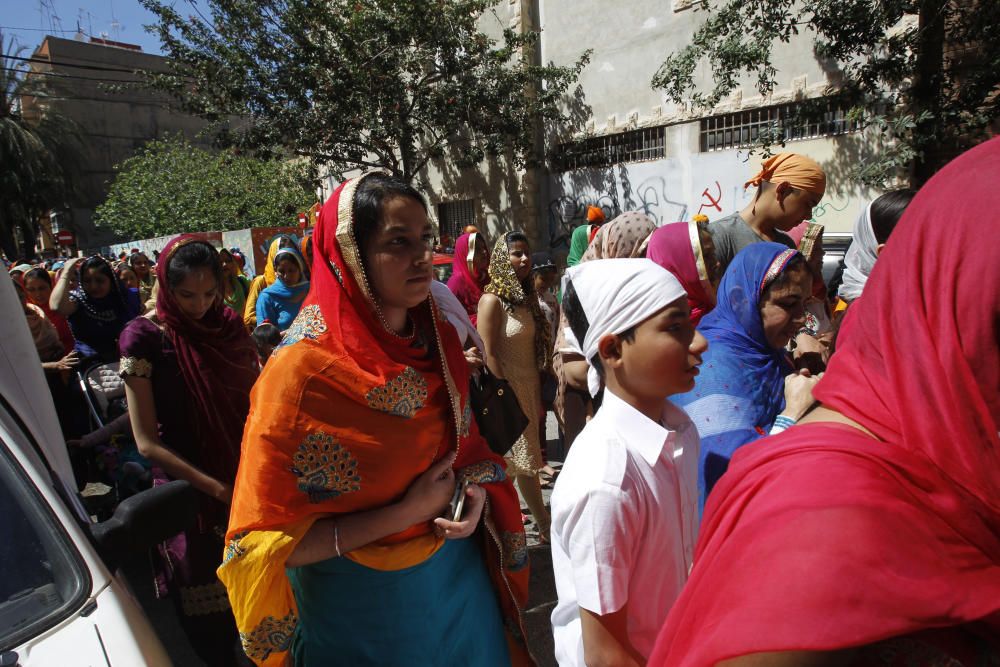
<point>633,149</point>
<point>113,124</point>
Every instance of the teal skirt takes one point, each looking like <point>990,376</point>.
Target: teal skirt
<point>443,611</point>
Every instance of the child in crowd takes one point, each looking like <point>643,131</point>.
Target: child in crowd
<point>267,337</point>
<point>625,507</point>
<point>545,275</point>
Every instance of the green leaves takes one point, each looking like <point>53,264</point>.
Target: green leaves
<point>361,83</point>
<point>922,74</point>
<point>170,187</point>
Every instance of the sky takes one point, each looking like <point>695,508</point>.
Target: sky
<point>29,21</point>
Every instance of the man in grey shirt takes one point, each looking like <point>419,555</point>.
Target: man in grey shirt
<point>789,186</point>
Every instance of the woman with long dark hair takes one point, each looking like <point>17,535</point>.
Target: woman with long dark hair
<point>188,369</point>
<point>38,286</point>
<point>90,296</point>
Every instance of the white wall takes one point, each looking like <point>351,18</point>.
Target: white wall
<point>678,187</point>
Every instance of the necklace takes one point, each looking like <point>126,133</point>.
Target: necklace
<point>385,323</point>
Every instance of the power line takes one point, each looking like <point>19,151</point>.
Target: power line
<point>9,27</point>
<point>60,75</point>
<point>105,100</point>
<point>97,68</point>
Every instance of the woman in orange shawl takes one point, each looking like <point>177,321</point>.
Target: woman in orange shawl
<point>359,430</point>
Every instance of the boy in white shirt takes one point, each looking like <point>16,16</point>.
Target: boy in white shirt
<point>625,507</point>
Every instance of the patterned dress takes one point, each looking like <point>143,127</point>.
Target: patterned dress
<point>516,352</point>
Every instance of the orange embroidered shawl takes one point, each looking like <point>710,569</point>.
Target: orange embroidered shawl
<point>345,416</point>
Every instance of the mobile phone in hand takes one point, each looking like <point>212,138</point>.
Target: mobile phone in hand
<point>458,501</point>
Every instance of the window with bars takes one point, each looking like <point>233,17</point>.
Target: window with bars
<point>784,122</point>
<point>633,146</point>
<point>454,216</point>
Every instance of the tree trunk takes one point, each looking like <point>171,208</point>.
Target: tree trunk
<point>926,91</point>
<point>29,236</point>
<point>7,242</point>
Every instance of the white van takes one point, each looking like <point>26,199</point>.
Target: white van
<point>61,603</point>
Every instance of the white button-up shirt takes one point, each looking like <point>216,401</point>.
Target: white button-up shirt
<point>624,522</point>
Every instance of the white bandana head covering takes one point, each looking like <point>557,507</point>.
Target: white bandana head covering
<point>616,295</point>
<point>860,258</point>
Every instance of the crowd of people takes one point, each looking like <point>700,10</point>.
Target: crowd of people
<point>762,469</point>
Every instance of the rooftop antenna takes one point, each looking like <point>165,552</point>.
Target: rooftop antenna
<point>90,21</point>
<point>116,26</point>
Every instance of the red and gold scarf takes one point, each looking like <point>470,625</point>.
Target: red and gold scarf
<point>346,415</point>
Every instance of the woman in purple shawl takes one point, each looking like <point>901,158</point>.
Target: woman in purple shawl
<point>188,370</point>
<point>469,275</point>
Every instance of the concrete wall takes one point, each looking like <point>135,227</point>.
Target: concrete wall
<point>689,182</point>
<point>630,40</point>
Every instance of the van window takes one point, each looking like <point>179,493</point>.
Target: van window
<point>44,579</point>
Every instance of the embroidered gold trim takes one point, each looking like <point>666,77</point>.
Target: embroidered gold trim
<point>699,260</point>
<point>202,600</point>
<point>272,635</point>
<point>135,366</point>
<point>345,233</point>
<point>402,396</point>
<point>777,266</point>
<point>454,396</point>
<point>814,232</point>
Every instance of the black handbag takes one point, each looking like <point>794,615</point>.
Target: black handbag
<point>499,416</point>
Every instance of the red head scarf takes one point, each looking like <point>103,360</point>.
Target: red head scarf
<point>677,248</point>
<point>825,538</point>
<point>219,363</point>
<point>463,283</point>
<point>346,415</point>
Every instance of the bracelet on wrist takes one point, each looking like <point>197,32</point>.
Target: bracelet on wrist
<point>781,423</point>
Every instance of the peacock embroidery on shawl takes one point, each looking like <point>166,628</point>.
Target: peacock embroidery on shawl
<point>402,396</point>
<point>272,635</point>
<point>325,468</point>
<point>309,323</point>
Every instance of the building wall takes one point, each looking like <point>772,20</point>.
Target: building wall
<point>113,124</point>
<point>684,184</point>
<point>630,40</point>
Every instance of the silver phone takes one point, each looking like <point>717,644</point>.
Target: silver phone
<point>458,501</point>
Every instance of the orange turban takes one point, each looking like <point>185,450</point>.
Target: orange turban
<point>595,215</point>
<point>470,229</point>
<point>798,170</point>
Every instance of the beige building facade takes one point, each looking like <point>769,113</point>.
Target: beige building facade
<point>632,149</point>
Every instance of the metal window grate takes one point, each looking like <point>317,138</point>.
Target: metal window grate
<point>454,216</point>
<point>633,146</point>
<point>785,122</point>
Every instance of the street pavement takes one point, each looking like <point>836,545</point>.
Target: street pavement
<point>542,587</point>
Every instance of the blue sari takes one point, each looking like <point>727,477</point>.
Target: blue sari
<point>740,389</point>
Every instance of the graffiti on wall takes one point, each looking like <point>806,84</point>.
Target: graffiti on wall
<point>655,201</point>
<point>567,213</point>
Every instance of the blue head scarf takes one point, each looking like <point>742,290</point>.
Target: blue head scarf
<point>279,289</point>
<point>740,389</point>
